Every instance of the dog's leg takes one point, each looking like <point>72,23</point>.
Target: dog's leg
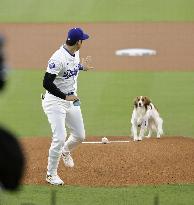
<point>143,128</point>
<point>159,127</point>
<point>141,133</point>
<point>149,133</point>
<point>134,132</point>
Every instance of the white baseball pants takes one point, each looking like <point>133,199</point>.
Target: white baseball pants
<point>62,114</point>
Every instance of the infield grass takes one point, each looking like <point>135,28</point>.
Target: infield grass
<point>69,195</point>
<point>95,10</point>
<point>106,101</point>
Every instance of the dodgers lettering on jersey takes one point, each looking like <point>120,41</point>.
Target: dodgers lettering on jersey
<point>70,73</point>
<point>66,67</point>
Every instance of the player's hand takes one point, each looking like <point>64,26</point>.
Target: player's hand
<point>86,62</point>
<point>71,98</point>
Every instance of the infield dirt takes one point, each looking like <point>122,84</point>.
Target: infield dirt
<point>31,45</point>
<point>168,160</point>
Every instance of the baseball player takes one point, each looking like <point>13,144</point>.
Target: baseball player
<point>61,103</point>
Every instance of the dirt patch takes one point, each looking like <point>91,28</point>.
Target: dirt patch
<point>168,160</point>
<point>31,45</point>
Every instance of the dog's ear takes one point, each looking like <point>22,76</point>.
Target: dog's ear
<point>135,102</point>
<point>147,101</point>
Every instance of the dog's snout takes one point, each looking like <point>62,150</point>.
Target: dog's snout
<point>139,104</point>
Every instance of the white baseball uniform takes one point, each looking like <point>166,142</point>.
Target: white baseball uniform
<point>62,113</point>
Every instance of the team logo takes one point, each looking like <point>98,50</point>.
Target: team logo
<point>51,65</point>
<point>70,73</point>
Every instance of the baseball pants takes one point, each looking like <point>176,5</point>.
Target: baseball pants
<point>62,114</point>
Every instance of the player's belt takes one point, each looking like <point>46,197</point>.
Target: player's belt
<point>71,93</point>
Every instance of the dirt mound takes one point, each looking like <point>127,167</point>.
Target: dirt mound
<point>152,161</point>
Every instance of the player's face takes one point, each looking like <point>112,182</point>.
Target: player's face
<point>79,44</point>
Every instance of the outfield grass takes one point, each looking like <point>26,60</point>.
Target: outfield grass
<point>106,98</point>
<point>138,195</point>
<point>95,11</point>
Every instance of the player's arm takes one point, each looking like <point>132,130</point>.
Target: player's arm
<point>48,84</point>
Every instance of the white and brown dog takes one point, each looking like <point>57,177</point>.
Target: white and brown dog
<point>146,117</point>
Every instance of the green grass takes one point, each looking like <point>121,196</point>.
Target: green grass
<point>106,101</point>
<point>112,94</point>
<point>20,104</point>
<point>138,195</point>
<point>95,10</point>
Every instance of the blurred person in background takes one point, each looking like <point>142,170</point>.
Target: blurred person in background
<point>11,160</point>
<point>11,154</point>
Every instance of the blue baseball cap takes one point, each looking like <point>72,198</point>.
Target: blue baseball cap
<point>76,34</point>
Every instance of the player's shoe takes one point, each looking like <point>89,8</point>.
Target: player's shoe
<point>54,180</point>
<point>67,159</point>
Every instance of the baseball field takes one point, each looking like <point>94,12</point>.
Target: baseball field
<point>148,172</point>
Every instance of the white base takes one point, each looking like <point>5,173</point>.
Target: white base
<point>135,52</point>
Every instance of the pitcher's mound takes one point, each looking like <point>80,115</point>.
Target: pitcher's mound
<point>152,161</point>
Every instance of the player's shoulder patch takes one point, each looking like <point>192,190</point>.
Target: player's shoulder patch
<point>51,65</point>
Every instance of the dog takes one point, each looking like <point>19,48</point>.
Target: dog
<point>146,117</point>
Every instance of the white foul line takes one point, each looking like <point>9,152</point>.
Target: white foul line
<point>118,141</point>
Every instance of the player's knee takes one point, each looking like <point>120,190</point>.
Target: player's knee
<point>58,143</point>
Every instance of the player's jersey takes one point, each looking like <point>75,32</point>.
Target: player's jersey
<point>66,67</point>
